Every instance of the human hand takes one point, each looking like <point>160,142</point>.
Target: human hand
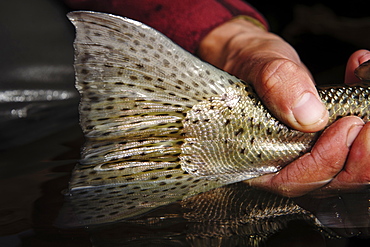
<point>273,67</point>
<point>340,157</point>
<point>338,160</point>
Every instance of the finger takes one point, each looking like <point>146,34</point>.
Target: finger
<point>289,92</point>
<point>362,72</point>
<point>357,58</point>
<point>273,67</point>
<point>318,167</point>
<point>357,169</point>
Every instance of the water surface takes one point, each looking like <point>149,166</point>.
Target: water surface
<point>40,142</point>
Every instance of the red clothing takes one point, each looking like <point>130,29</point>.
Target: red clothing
<point>186,22</point>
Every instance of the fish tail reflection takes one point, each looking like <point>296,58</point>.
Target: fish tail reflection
<point>131,115</point>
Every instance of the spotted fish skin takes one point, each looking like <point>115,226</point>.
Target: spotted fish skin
<point>162,125</point>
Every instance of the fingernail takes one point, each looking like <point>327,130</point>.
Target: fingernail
<point>308,110</point>
<point>363,71</point>
<point>352,134</point>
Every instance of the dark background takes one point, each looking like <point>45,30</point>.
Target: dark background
<point>40,138</point>
<point>324,33</point>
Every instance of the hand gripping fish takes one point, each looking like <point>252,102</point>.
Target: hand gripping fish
<point>162,125</point>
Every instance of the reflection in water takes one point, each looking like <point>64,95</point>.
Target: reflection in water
<point>28,109</point>
<point>38,154</point>
<point>238,215</point>
<point>124,171</point>
<point>234,215</point>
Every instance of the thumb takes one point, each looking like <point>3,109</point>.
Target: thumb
<point>272,66</point>
<point>287,89</point>
<point>355,60</point>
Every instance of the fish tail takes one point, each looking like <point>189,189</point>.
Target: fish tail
<point>136,87</point>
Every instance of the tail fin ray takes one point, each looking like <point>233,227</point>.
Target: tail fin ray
<point>136,89</point>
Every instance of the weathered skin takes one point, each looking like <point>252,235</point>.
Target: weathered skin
<point>161,125</point>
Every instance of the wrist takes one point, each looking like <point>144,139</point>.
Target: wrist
<point>220,43</point>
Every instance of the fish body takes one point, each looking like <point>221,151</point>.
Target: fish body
<point>161,125</point>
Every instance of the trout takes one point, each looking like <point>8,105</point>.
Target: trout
<point>161,125</point>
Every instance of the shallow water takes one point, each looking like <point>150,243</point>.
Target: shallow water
<point>39,145</point>
<point>235,215</point>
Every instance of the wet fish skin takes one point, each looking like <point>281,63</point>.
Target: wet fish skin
<point>162,125</point>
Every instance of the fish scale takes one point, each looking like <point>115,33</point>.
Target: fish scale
<point>162,125</point>
<point>231,145</point>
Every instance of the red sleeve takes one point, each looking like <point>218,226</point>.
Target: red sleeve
<point>186,22</point>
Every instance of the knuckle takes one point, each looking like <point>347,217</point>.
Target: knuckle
<point>278,72</point>
<point>324,157</point>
